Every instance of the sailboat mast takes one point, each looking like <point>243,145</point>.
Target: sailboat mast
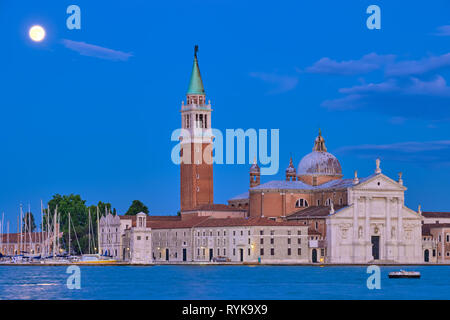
<point>29,226</point>
<point>1,241</point>
<point>89,231</point>
<point>98,233</point>
<point>21,227</point>
<point>41,236</point>
<point>54,231</point>
<point>7,237</point>
<point>69,233</point>
<point>48,230</point>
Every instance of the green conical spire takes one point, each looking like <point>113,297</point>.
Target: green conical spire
<point>196,83</point>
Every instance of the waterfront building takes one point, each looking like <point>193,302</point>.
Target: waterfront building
<point>313,215</point>
<point>210,239</point>
<point>34,243</point>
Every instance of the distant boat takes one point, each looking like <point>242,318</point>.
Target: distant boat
<point>94,259</point>
<point>404,274</point>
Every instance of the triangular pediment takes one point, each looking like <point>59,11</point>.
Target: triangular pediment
<point>379,182</point>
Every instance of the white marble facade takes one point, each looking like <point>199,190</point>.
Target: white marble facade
<point>376,226</point>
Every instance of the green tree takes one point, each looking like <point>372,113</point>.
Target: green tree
<point>136,207</point>
<point>76,206</point>
<point>28,224</point>
<point>79,221</point>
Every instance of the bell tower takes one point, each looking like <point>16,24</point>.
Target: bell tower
<point>196,167</point>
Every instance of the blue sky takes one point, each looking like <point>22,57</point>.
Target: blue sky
<point>91,111</point>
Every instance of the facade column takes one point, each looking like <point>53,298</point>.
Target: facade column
<point>399,230</point>
<point>367,207</point>
<point>283,204</point>
<point>387,236</point>
<point>355,227</point>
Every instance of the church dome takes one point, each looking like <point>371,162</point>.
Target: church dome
<point>319,161</point>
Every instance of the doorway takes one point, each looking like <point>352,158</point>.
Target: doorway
<point>184,254</point>
<point>241,252</point>
<point>376,247</point>
<point>211,254</point>
<point>167,254</point>
<point>426,255</point>
<point>314,256</point>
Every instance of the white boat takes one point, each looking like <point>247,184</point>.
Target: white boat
<point>94,259</point>
<point>404,274</point>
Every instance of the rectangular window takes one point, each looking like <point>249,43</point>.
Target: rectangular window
<point>272,240</point>
<point>261,232</point>
<point>261,241</point>
<point>272,251</point>
<point>299,251</point>
<point>289,240</point>
<point>299,241</point>
<point>289,251</point>
<point>249,251</point>
<point>261,252</point>
<point>234,251</point>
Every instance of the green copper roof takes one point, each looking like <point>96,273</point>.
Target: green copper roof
<point>196,83</point>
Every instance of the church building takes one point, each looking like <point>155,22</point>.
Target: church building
<point>313,215</point>
<point>362,220</point>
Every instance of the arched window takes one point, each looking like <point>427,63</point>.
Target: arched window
<point>301,203</point>
<point>328,202</point>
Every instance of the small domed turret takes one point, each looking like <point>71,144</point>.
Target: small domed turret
<point>255,173</point>
<point>291,173</point>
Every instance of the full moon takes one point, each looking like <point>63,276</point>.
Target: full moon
<point>37,33</point>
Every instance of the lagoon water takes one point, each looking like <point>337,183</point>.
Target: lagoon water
<point>220,282</point>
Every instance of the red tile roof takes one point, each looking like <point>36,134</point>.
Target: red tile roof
<point>15,237</point>
<point>313,232</point>
<point>175,224</point>
<point>216,207</point>
<point>205,222</point>
<point>436,214</point>
<point>312,212</point>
